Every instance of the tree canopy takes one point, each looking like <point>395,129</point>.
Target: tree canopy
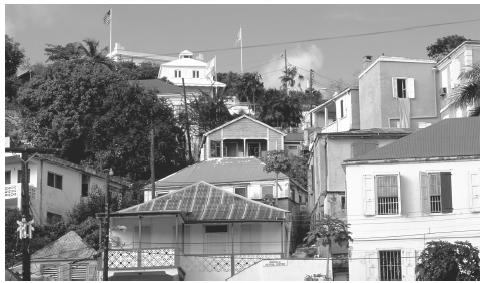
<point>278,109</point>
<point>443,46</point>
<point>445,261</point>
<point>14,57</point>
<point>208,113</point>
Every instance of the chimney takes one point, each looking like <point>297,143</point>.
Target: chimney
<point>366,61</point>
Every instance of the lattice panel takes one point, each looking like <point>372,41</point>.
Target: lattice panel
<point>123,259</point>
<point>157,258</point>
<point>10,191</point>
<point>208,263</point>
<point>244,261</point>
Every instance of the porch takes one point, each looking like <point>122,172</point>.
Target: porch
<point>238,147</point>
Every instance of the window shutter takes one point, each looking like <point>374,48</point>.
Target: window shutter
<point>424,187</point>
<point>372,262</point>
<point>408,265</point>
<point>399,205</point>
<point>410,88</point>
<point>475,191</point>
<point>446,197</point>
<point>369,195</point>
<point>394,87</point>
<point>64,272</point>
<point>91,272</point>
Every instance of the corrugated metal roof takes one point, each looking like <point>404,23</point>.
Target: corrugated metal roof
<point>204,202</point>
<point>69,246</point>
<point>159,86</point>
<point>447,138</point>
<point>372,132</point>
<point>220,171</point>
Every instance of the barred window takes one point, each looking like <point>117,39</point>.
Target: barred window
<point>387,194</point>
<point>435,193</point>
<point>390,265</point>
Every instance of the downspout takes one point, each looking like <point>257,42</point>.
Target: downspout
<point>326,170</point>
<point>41,216</point>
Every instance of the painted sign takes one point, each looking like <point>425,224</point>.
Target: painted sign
<point>275,263</point>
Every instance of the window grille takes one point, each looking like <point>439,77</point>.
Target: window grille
<point>387,195</point>
<point>390,265</point>
<point>435,192</point>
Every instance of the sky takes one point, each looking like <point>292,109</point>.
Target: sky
<point>169,29</point>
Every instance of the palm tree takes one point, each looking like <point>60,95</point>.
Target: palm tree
<point>467,93</point>
<point>328,231</point>
<point>90,50</point>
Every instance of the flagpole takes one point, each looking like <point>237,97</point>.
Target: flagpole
<point>241,50</point>
<point>216,88</point>
<point>110,31</point>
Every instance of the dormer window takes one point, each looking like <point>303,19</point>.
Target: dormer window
<point>177,73</point>
<point>196,74</point>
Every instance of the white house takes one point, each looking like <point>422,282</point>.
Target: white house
<point>448,70</point>
<point>200,231</point>
<point>420,188</point>
<point>56,185</point>
<point>197,74</point>
<point>121,54</point>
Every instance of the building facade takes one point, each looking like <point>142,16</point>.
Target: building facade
<point>420,188</point>
<point>449,69</point>
<point>120,54</point>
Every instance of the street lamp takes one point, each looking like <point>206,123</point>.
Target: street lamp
<point>106,227</point>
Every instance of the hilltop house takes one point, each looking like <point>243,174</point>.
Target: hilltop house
<point>199,232</point>
<point>449,69</point>
<point>120,54</point>
<point>56,185</point>
<point>420,188</point>
<point>66,259</point>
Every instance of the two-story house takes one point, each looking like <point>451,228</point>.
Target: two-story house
<point>449,69</point>
<point>56,185</point>
<point>397,92</point>
<point>420,188</point>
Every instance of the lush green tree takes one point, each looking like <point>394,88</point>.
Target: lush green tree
<point>14,57</point>
<point>443,46</point>
<point>445,261</point>
<point>289,77</point>
<point>467,93</point>
<point>328,231</point>
<point>276,161</point>
<point>143,71</point>
<point>59,52</point>
<point>208,113</point>
<point>278,109</point>
<point>247,87</point>
<point>95,116</point>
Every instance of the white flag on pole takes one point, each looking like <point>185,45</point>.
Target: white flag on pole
<point>211,68</point>
<point>239,36</point>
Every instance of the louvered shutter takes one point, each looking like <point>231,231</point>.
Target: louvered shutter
<point>446,194</point>
<point>475,191</point>
<point>394,87</point>
<point>399,199</point>
<point>372,263</point>
<point>410,88</point>
<point>64,272</point>
<point>78,272</point>
<point>91,272</point>
<point>408,267</point>
<point>369,195</point>
<point>424,187</point>
<point>49,271</point>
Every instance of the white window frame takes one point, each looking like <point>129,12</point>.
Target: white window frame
<point>370,194</point>
<point>409,87</point>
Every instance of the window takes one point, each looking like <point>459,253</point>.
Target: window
<point>53,218</point>
<point>267,190</point>
<point>254,149</point>
<point>292,194</point>
<point>342,202</point>
<point>215,148</point>
<point>390,266</point>
<point>342,114</point>
<point>177,73</point>
<point>216,240</point>
<point>394,123</point>
<point>216,228</point>
<point>54,180</point>
<point>436,193</point>
<point>387,194</point>
<point>403,87</point>
<point>49,270</point>
<point>242,191</point>
<point>85,186</point>
<point>19,176</point>
<point>8,177</point>
<point>196,74</point>
<point>78,272</point>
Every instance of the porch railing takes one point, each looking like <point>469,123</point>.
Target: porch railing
<point>148,258</point>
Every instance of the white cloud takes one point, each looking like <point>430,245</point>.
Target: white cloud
<point>304,58</point>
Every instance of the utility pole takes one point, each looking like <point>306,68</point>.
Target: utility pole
<point>286,70</point>
<point>105,267</point>
<point>153,185</point>
<point>311,80</point>
<point>27,154</point>
<point>187,122</point>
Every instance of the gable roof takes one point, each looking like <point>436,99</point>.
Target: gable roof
<point>159,86</point>
<point>457,137</point>
<point>334,97</point>
<point>239,118</point>
<point>70,246</point>
<point>202,202</point>
<point>219,171</point>
<point>467,42</point>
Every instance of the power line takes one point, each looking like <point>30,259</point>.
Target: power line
<point>332,37</point>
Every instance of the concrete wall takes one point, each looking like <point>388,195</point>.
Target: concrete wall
<point>370,101</point>
<point>409,231</point>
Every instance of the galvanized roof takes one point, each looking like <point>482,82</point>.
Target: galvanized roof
<point>219,171</point>
<point>456,137</point>
<point>70,246</point>
<point>203,202</point>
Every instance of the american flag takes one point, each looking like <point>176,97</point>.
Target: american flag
<point>107,17</point>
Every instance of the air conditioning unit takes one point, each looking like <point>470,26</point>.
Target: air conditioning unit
<point>444,91</point>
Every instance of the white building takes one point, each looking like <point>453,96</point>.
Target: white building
<point>420,188</point>
<point>197,74</point>
<point>121,54</point>
<point>56,185</point>
<point>448,71</point>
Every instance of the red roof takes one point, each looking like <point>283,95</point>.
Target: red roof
<point>203,202</point>
<point>458,137</point>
